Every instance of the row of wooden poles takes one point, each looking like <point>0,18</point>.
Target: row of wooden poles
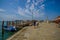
<point>8,24</point>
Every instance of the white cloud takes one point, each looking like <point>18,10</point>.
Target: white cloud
<point>2,10</point>
<point>28,1</point>
<point>32,7</point>
<point>33,1</point>
<point>7,17</point>
<point>39,2</point>
<point>27,11</point>
<point>36,12</point>
<point>23,12</point>
<point>36,3</point>
<point>27,6</point>
<point>42,6</point>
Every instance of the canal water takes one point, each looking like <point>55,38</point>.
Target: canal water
<point>6,34</point>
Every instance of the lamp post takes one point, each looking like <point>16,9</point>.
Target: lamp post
<point>32,14</point>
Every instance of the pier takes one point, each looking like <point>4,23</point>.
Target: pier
<point>44,31</point>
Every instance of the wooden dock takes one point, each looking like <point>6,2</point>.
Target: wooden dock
<point>44,31</point>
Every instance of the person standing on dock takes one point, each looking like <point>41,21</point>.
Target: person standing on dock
<point>37,24</point>
<point>34,24</point>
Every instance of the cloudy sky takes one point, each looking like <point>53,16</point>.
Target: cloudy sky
<point>23,9</point>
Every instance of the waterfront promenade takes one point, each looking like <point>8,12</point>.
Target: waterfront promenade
<point>44,31</point>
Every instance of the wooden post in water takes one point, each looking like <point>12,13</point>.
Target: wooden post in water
<point>7,23</point>
<point>3,30</point>
<point>12,23</point>
<point>16,23</point>
<point>2,27</point>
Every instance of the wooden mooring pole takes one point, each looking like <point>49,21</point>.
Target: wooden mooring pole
<point>13,23</point>
<point>3,30</point>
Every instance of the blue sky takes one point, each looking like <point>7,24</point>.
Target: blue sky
<point>23,9</point>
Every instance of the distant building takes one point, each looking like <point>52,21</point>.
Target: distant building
<point>57,20</point>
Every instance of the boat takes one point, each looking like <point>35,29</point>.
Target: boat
<point>9,28</point>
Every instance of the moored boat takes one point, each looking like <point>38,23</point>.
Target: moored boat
<point>9,28</point>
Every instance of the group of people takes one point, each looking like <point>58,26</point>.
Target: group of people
<point>35,23</point>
